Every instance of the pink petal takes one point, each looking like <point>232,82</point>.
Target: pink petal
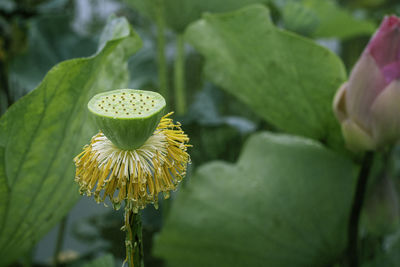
<point>385,113</point>
<point>385,44</point>
<point>365,84</point>
<point>391,72</point>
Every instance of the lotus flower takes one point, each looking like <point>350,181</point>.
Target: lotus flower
<point>368,105</point>
<point>137,154</point>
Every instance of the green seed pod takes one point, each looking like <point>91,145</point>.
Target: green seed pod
<point>127,117</point>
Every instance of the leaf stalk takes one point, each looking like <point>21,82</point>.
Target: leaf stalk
<point>179,75</point>
<point>161,57</point>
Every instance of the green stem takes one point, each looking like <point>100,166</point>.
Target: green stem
<point>4,88</point>
<point>352,235</point>
<point>60,240</point>
<point>179,75</point>
<point>161,58</point>
<point>134,239</point>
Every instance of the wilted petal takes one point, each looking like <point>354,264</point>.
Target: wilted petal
<point>385,113</point>
<point>339,103</point>
<point>365,84</point>
<point>385,44</point>
<point>357,139</point>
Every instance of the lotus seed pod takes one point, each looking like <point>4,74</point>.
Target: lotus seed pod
<point>127,117</point>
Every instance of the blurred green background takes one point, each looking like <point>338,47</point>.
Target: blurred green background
<point>35,35</point>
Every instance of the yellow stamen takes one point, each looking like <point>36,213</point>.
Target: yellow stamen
<point>139,175</point>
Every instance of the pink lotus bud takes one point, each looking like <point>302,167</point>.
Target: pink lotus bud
<point>368,105</point>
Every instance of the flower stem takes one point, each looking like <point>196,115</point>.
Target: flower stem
<point>161,58</point>
<point>352,235</point>
<point>179,75</point>
<point>133,240</point>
